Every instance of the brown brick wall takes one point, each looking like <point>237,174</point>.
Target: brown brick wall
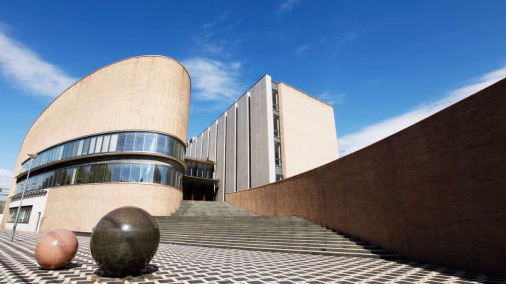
<point>434,192</point>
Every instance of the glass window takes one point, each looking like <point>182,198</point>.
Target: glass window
<point>86,146</point>
<point>94,173</point>
<point>58,180</point>
<point>80,148</point>
<point>168,150</point>
<point>150,142</point>
<point>161,143</point>
<point>139,141</point>
<point>105,144</point>
<point>101,172</point>
<point>164,175</point>
<point>276,126</point>
<point>98,146</point>
<point>156,174</point>
<point>116,172</point>
<point>275,100</point>
<point>66,152</point>
<point>114,142</point>
<point>24,214</point>
<point>80,174</point>
<point>129,141</point>
<point>93,140</point>
<point>51,179</point>
<point>87,174</point>
<point>74,146</point>
<point>69,176</point>
<point>108,172</point>
<point>277,153</point>
<point>147,173</point>
<point>121,142</point>
<point>125,172</point>
<point>135,173</point>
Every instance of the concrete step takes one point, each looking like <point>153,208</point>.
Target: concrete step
<point>367,254</point>
<point>218,224</point>
<point>293,244</point>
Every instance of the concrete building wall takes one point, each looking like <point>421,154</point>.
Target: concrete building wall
<point>433,192</point>
<point>243,152</point>
<point>84,205</point>
<point>308,132</point>
<point>230,150</point>
<point>205,145</point>
<point>221,132</point>
<point>38,204</point>
<point>147,93</point>
<point>261,130</point>
<point>212,142</point>
<point>198,151</point>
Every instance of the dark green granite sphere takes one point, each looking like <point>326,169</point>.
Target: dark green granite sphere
<point>124,241</point>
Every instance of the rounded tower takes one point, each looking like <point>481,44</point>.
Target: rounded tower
<point>114,138</point>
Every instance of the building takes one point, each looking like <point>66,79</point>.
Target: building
<point>115,138</point>
<point>4,193</point>
<point>273,131</point>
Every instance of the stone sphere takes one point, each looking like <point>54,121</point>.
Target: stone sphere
<point>124,241</point>
<point>56,249</point>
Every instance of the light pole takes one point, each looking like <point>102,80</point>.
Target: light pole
<point>32,156</point>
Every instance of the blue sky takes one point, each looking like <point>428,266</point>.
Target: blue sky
<point>383,64</point>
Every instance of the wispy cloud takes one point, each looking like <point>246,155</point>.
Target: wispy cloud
<point>301,49</point>
<point>5,178</point>
<point>216,37</point>
<point>214,80</point>
<point>373,133</point>
<point>331,98</point>
<point>24,67</point>
<point>287,5</point>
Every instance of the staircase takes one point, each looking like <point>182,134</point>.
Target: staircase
<point>222,225</point>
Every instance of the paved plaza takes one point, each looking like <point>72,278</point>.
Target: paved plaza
<point>192,264</point>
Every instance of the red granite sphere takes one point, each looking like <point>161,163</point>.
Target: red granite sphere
<point>56,249</point>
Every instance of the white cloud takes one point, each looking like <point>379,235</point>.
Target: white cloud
<point>301,49</point>
<point>287,5</point>
<point>214,80</point>
<point>352,142</point>
<point>24,67</point>
<point>331,98</point>
<point>217,37</point>
<point>5,178</point>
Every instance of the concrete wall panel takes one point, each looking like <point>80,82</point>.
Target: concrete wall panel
<point>432,192</point>
<point>308,132</point>
<point>212,141</point>
<point>221,132</point>
<point>243,143</point>
<point>262,138</point>
<point>205,144</point>
<point>230,154</point>
<point>198,150</point>
<point>79,208</point>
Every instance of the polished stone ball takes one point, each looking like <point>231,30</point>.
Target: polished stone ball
<point>56,249</point>
<point>124,241</point>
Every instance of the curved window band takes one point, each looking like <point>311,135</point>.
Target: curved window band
<point>109,143</point>
<point>106,172</point>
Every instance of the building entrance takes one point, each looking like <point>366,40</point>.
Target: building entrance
<point>199,189</point>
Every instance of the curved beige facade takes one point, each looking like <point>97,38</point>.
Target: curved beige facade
<point>140,93</point>
<point>146,93</point>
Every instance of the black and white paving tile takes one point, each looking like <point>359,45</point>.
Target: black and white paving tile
<point>193,264</point>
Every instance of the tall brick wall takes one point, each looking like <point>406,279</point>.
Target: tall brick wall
<point>434,192</point>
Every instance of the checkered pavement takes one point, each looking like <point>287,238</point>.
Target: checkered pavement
<point>193,264</point>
